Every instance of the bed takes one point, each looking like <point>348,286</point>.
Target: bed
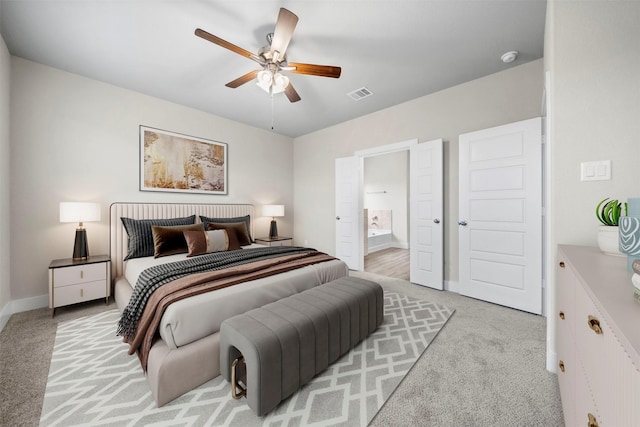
<point>184,352</point>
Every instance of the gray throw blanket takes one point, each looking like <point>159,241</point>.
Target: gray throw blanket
<point>154,277</point>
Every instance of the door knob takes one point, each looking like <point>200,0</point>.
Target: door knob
<point>436,221</point>
<point>462,223</point>
<point>338,218</point>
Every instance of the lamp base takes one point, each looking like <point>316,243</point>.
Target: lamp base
<point>273,231</point>
<point>80,248</point>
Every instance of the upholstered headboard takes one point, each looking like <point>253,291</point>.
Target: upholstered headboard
<point>118,243</point>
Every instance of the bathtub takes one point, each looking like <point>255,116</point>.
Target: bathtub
<point>378,239</point>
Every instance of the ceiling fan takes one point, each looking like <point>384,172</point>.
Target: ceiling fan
<point>273,59</point>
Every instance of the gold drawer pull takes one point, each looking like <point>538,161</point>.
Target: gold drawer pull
<point>561,365</point>
<point>592,421</point>
<point>81,293</point>
<point>81,274</point>
<point>561,314</point>
<point>594,324</point>
<point>561,264</point>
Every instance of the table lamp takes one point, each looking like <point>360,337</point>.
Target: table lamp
<point>80,212</point>
<point>273,211</point>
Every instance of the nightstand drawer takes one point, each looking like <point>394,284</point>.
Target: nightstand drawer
<point>281,243</point>
<point>81,292</point>
<point>79,274</point>
<point>276,241</point>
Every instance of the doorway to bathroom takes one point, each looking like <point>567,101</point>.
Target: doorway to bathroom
<point>425,201</point>
<point>386,214</point>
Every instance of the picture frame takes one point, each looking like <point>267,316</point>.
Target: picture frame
<point>175,162</point>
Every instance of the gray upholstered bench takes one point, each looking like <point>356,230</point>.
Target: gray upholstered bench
<point>286,343</point>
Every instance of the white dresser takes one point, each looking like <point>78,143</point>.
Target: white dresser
<point>598,339</point>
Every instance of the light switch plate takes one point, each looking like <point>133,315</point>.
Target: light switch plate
<point>595,171</point>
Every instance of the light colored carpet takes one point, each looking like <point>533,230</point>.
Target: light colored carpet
<point>486,368</point>
<point>92,381</point>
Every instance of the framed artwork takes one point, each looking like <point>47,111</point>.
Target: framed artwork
<point>171,161</point>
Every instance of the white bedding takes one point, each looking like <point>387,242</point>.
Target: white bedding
<point>193,318</point>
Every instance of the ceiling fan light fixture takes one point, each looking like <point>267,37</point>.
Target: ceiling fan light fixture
<point>280,83</point>
<point>265,80</point>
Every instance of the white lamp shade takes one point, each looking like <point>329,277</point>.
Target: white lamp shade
<point>273,210</point>
<point>79,212</point>
<point>280,82</point>
<point>265,79</point>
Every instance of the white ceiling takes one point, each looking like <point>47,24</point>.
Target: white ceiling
<point>398,49</point>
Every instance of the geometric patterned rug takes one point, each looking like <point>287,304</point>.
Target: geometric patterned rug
<point>94,382</point>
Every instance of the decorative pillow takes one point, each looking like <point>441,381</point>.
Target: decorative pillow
<point>240,229</point>
<point>204,242</point>
<point>170,240</point>
<point>246,219</point>
<point>141,237</point>
<point>234,240</point>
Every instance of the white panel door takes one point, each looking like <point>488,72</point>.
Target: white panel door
<point>425,218</point>
<point>348,212</point>
<point>500,221</point>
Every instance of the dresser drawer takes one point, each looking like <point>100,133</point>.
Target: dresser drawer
<point>79,274</point>
<point>565,323</point>
<point>565,307</point>
<point>585,403</point>
<point>597,348</point>
<point>72,294</point>
<point>567,366</point>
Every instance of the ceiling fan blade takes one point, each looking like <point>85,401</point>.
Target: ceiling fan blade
<point>285,25</point>
<point>291,93</point>
<point>251,75</point>
<point>225,44</point>
<point>313,69</point>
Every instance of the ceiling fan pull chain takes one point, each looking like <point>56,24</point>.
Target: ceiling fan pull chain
<point>271,111</point>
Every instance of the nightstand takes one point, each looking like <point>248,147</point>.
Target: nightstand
<point>276,241</point>
<point>73,281</point>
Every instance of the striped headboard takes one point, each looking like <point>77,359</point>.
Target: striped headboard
<point>118,243</point>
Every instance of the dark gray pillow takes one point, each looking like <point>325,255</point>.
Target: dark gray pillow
<point>246,219</point>
<point>141,237</point>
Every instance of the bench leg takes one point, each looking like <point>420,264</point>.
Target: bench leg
<point>237,391</point>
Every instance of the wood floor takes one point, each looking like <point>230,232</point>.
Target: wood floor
<point>391,262</point>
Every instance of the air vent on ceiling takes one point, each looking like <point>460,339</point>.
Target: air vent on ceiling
<point>358,94</point>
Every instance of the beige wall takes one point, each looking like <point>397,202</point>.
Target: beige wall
<point>596,97</point>
<point>512,95</point>
<point>5,226</point>
<point>76,139</point>
<point>592,50</point>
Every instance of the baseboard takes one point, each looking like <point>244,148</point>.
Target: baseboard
<point>452,285</point>
<point>20,305</point>
<point>552,361</point>
<point>376,248</point>
<point>5,314</point>
<point>400,245</point>
<point>26,304</point>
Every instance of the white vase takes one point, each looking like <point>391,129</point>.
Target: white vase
<point>608,240</point>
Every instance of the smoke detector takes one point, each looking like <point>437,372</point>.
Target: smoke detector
<point>509,57</point>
